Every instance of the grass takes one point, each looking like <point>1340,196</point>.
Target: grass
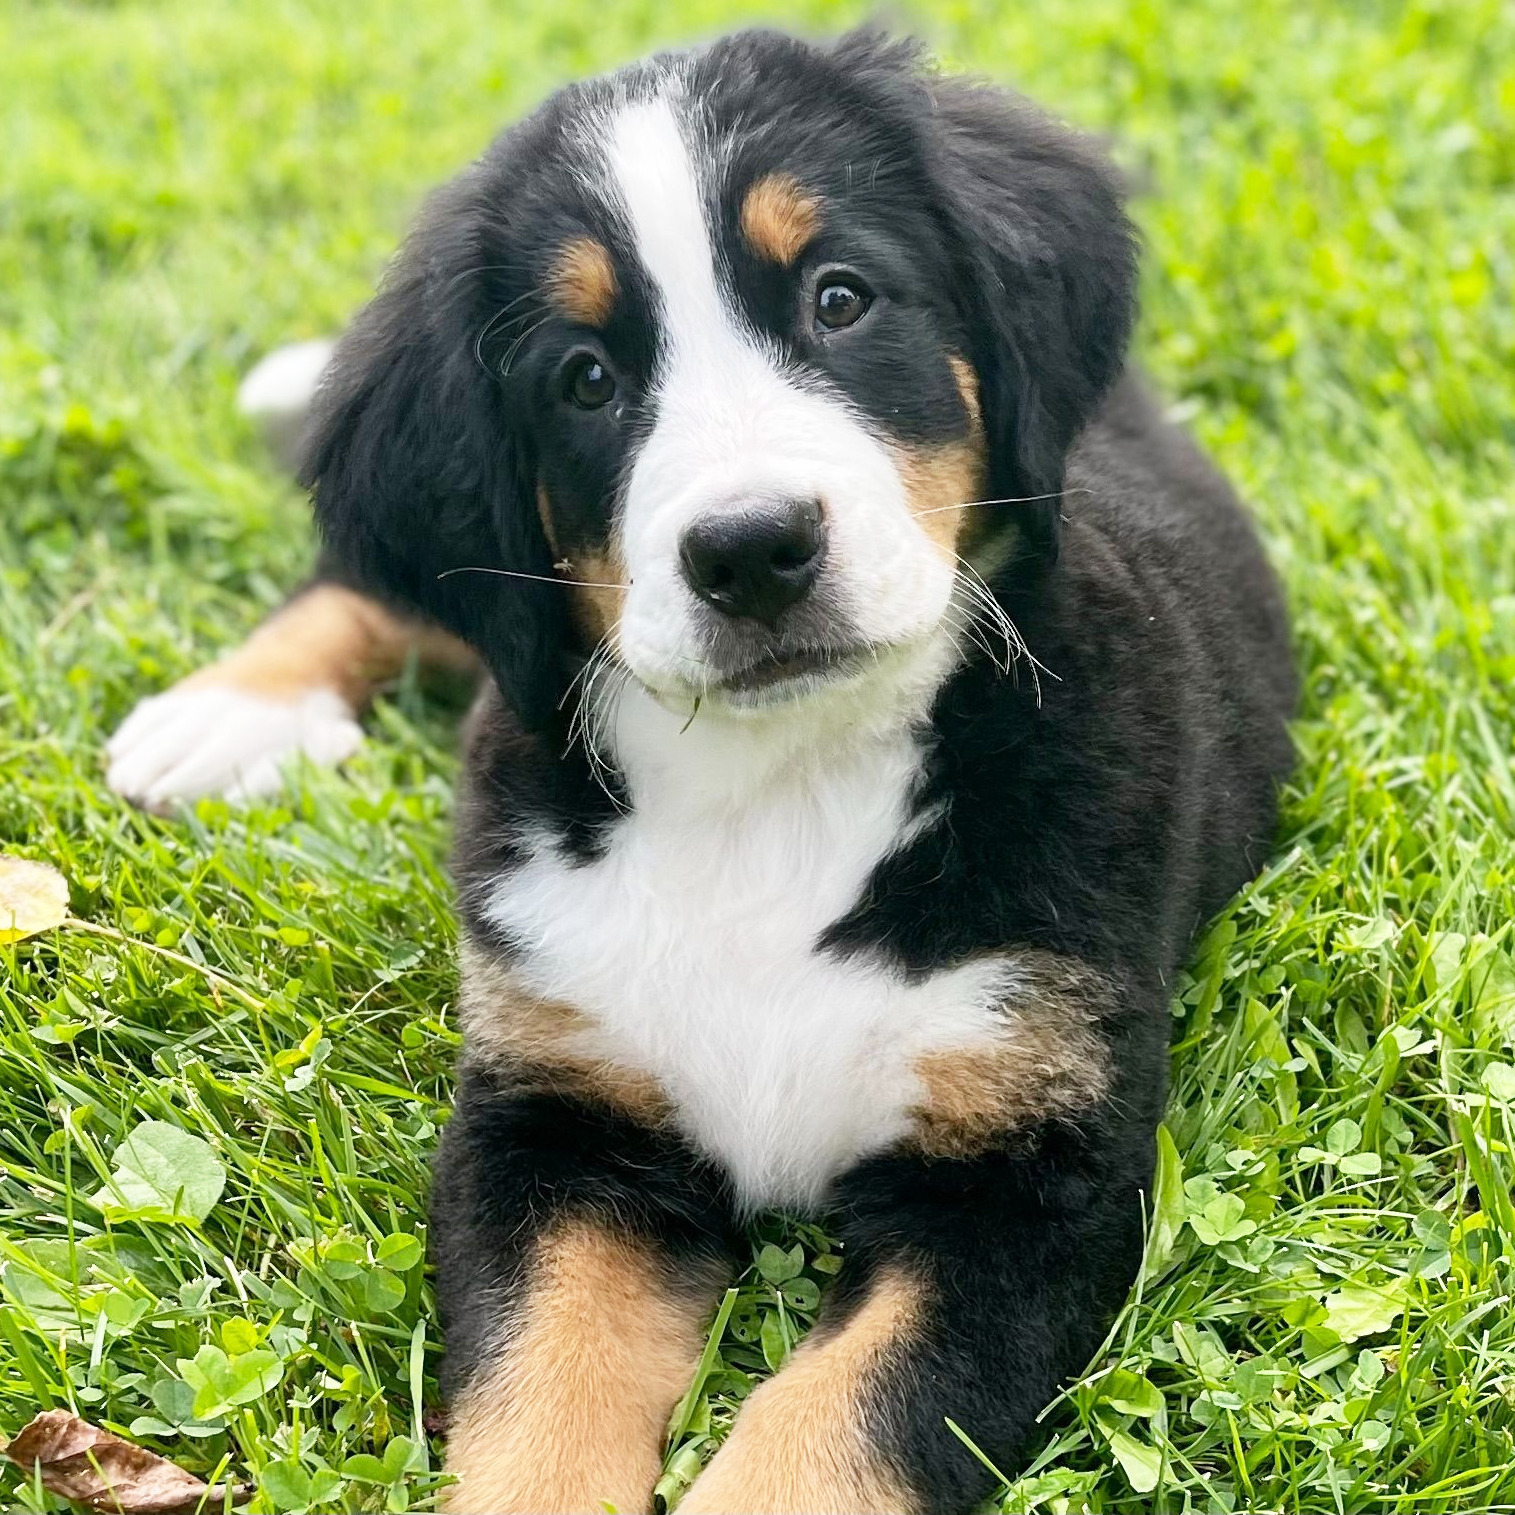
<point>1325,1322</point>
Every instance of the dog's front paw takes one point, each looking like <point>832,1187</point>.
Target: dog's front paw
<point>204,737</point>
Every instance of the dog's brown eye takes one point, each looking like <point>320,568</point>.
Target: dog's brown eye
<point>590,383</point>
<point>839,303</point>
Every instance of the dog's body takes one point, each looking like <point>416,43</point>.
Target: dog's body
<point>783,883</point>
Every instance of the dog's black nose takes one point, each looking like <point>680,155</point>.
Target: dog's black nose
<point>756,562</point>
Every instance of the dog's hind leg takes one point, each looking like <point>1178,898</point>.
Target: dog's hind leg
<point>297,686</point>
<point>294,688</point>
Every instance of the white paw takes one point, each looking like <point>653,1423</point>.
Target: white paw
<point>216,739</point>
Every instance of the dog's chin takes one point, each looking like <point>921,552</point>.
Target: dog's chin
<point>766,684</point>
<point>782,678</point>
<point>794,679</point>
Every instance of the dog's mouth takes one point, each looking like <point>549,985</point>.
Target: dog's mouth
<point>796,668</point>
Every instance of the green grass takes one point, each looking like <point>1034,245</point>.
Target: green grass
<point>1326,1322</point>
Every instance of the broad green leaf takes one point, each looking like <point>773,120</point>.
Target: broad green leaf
<point>1498,1080</point>
<point>1140,1463</point>
<point>383,1291</point>
<point>1448,949</point>
<point>801,1294</point>
<point>401,1456</point>
<point>1169,1210</point>
<point>162,1174</point>
<point>1201,1349</point>
<point>1343,1137</point>
<point>1492,989</point>
<point>1432,1229</point>
<point>287,1484</point>
<point>343,1257</point>
<point>1356,1310</point>
<point>399,1252</point>
<point>1130,1393</point>
<point>1199,1192</point>
<point>367,1468</point>
<point>238,1335</point>
<point>1374,932</point>
<point>778,1266</point>
<point>43,1292</point>
<point>150,1425</point>
<point>1223,1219</point>
<point>1369,1370</point>
<point>221,1382</point>
<point>774,1343</point>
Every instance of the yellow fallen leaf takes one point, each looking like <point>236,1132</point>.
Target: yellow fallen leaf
<point>33,898</point>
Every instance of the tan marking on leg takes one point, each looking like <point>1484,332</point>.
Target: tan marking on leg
<point>582,282</point>
<point>330,637</point>
<point>1046,1059</point>
<point>939,480</point>
<point>801,1444</point>
<point>779,218</point>
<point>545,1045</point>
<point>571,1415</point>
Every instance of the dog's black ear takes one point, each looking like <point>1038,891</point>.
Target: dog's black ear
<point>416,475</point>
<point>1044,262</point>
<point>1049,259</point>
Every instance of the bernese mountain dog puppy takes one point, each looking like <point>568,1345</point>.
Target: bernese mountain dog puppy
<point>883,692</point>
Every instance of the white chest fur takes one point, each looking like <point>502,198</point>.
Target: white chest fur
<point>690,947</point>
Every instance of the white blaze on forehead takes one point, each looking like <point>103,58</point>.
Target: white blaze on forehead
<point>658,185</point>
<point>734,422</point>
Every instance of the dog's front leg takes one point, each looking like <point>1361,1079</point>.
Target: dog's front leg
<point>578,1255</point>
<point>972,1288</point>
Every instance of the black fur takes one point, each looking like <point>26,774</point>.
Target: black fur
<point>1100,811</point>
<point>512,1161</point>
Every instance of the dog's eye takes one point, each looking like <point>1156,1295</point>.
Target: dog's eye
<point>588,382</point>
<point>839,303</point>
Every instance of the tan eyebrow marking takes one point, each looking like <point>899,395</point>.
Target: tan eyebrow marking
<point>583,282</point>
<point>779,218</point>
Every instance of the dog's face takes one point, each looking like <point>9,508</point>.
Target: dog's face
<point>751,394</point>
<point>729,345</point>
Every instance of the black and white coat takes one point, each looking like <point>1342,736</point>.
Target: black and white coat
<point>883,694</point>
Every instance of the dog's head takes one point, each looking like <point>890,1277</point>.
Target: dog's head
<point>711,360</point>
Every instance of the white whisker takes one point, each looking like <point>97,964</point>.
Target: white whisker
<point>994,615</point>
<point>494,320</point>
<point>1024,499</point>
<point>536,578</point>
<point>515,346</point>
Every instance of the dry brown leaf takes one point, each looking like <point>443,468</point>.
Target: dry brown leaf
<point>78,1461</point>
<point>33,898</point>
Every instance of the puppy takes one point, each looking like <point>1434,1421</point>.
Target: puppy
<point>881,694</point>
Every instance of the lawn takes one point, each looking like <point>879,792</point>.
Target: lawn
<point>1328,201</point>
